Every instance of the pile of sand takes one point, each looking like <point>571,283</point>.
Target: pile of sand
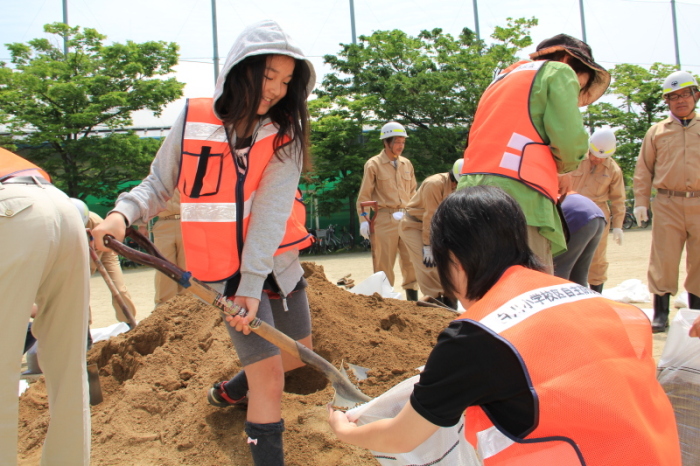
<point>155,379</point>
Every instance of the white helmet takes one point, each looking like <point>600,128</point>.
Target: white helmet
<point>602,143</point>
<point>82,208</point>
<point>457,168</point>
<point>678,80</point>
<point>392,129</point>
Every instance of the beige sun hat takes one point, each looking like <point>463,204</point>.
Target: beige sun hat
<point>580,50</point>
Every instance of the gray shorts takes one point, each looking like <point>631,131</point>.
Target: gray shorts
<point>295,323</point>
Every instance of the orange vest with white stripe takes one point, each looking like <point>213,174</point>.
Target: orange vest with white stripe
<point>503,140</point>
<point>13,165</point>
<point>596,403</point>
<point>216,199</point>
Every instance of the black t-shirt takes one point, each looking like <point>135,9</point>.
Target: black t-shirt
<point>471,366</point>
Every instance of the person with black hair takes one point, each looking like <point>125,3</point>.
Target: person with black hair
<point>236,160</point>
<point>528,128</point>
<point>545,371</point>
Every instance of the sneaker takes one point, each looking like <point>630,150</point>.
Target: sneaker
<point>218,397</point>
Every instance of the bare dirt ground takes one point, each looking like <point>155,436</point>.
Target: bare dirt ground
<point>155,377</point>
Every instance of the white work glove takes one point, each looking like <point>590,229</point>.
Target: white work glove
<point>428,259</point>
<point>641,214</point>
<point>617,235</point>
<point>364,230</point>
<point>397,215</point>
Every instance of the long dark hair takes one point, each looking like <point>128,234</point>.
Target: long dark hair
<point>242,92</point>
<point>483,229</point>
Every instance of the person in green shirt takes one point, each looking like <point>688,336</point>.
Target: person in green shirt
<point>565,78</point>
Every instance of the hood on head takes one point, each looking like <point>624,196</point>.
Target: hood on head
<point>261,38</point>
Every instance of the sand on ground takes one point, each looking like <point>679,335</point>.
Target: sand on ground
<point>630,260</point>
<point>155,377</point>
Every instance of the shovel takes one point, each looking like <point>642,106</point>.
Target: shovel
<point>130,321</point>
<point>347,395</point>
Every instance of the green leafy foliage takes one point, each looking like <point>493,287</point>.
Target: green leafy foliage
<point>639,105</point>
<point>430,83</point>
<point>54,103</point>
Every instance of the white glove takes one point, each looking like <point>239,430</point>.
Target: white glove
<point>397,215</point>
<point>364,230</point>
<point>641,214</point>
<point>428,259</point>
<point>617,235</point>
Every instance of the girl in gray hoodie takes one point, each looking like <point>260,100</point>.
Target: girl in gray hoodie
<point>238,206</point>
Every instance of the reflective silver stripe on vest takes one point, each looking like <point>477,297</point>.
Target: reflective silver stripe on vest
<point>511,161</point>
<point>530,303</point>
<point>213,211</point>
<point>491,442</point>
<point>204,132</point>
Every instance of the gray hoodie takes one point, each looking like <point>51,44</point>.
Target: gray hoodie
<point>274,197</point>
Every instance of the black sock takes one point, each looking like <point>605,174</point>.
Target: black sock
<point>265,442</point>
<point>237,387</point>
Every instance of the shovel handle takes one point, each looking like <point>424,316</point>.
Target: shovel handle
<point>131,322</point>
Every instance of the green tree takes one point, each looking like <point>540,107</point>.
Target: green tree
<point>430,83</point>
<point>639,105</point>
<point>55,103</point>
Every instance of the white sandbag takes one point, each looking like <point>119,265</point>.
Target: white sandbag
<point>679,375</point>
<point>681,300</point>
<point>447,446</point>
<point>105,333</point>
<point>377,283</point>
<point>629,291</point>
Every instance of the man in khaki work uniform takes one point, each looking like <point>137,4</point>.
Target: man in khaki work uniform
<point>389,179</point>
<point>111,262</point>
<point>167,237</point>
<point>669,161</point>
<point>43,260</point>
<point>414,230</point>
<point>600,179</point>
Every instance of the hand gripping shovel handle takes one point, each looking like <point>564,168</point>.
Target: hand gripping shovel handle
<point>155,259</point>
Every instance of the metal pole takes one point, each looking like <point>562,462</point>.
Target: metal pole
<point>216,40</point>
<point>65,21</point>
<point>352,21</point>
<point>675,33</point>
<point>476,20</point>
<point>583,20</point>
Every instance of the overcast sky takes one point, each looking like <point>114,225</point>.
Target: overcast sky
<point>619,31</point>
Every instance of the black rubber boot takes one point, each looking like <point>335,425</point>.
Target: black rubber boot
<point>265,442</point>
<point>596,288</point>
<point>237,387</point>
<point>411,295</point>
<point>449,302</point>
<point>693,301</point>
<point>661,310</point>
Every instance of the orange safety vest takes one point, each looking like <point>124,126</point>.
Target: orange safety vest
<point>503,141</point>
<point>216,200</point>
<point>13,165</point>
<point>598,406</point>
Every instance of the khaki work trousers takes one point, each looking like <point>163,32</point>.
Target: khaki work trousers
<point>44,260</point>
<point>110,260</point>
<point>411,233</point>
<point>598,272</point>
<point>167,237</point>
<point>386,243</point>
<point>676,223</point>
<point>541,247</point>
